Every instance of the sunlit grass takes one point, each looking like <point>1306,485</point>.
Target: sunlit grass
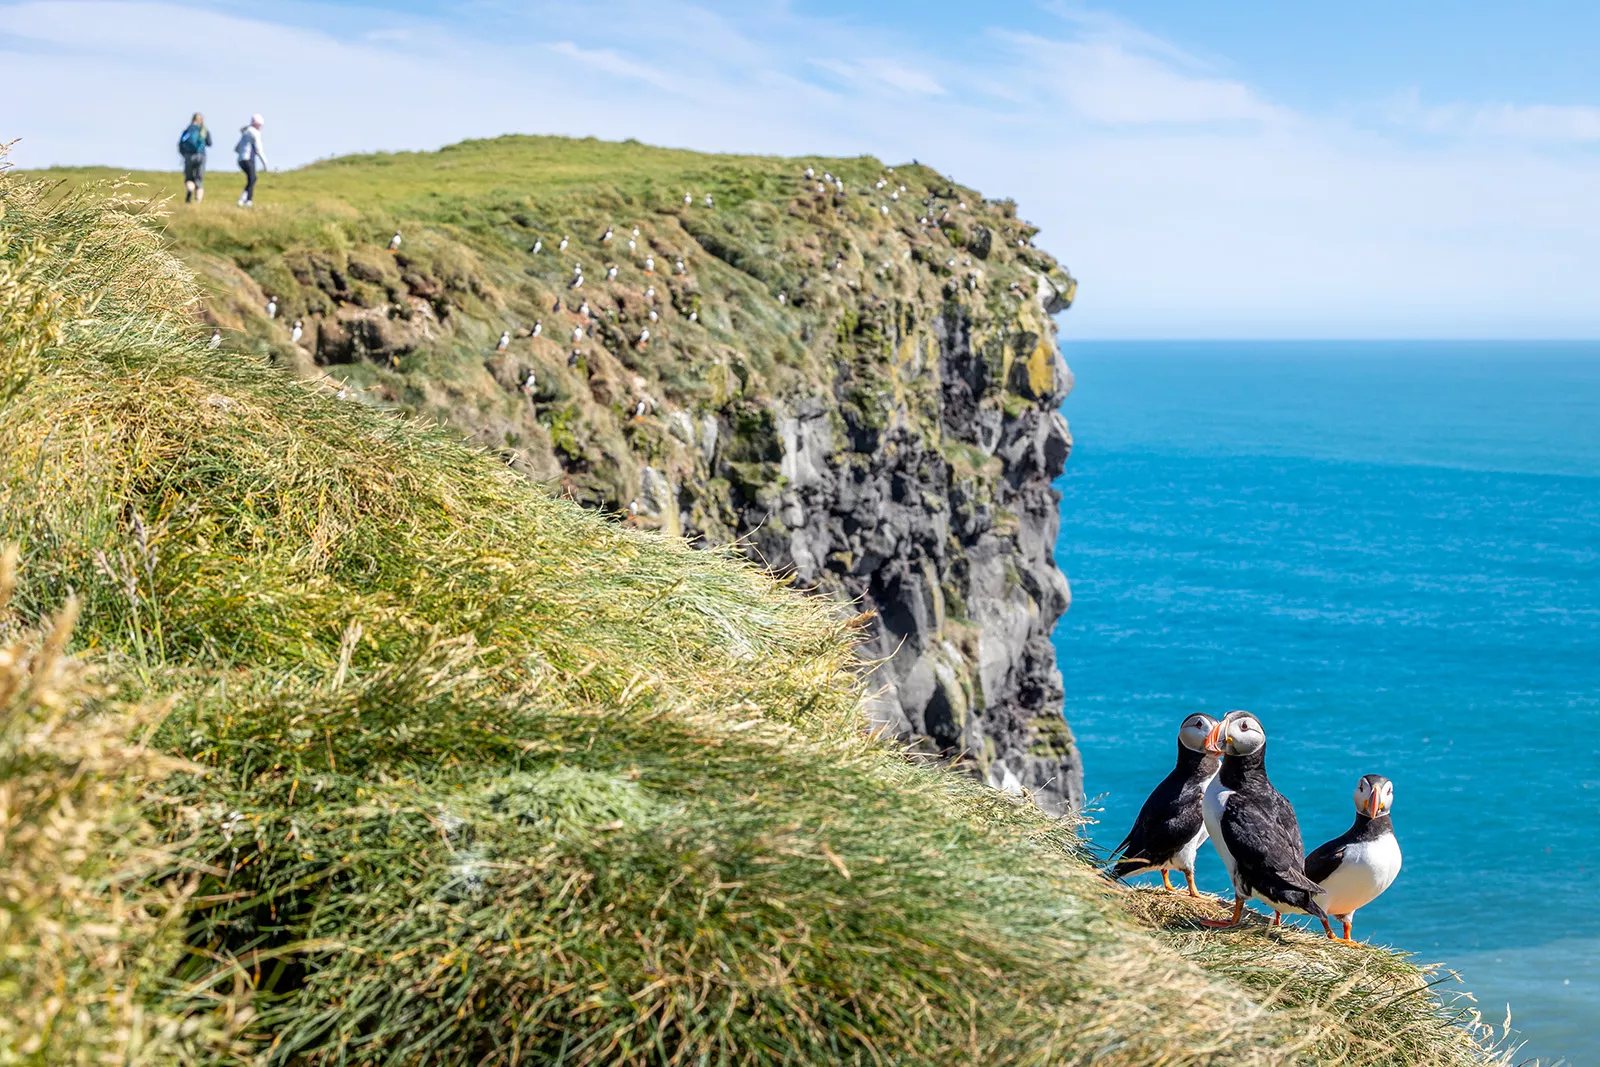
<point>472,775</point>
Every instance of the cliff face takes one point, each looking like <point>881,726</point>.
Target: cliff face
<point>847,369</point>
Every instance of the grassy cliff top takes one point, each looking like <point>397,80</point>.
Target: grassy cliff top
<point>472,775</point>
<point>778,287</point>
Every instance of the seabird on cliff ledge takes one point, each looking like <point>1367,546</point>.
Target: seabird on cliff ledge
<point>1253,826</point>
<point>394,242</point>
<point>1357,866</point>
<point>1171,826</point>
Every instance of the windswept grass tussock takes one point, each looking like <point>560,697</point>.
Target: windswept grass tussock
<point>457,773</point>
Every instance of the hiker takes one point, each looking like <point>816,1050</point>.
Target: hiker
<point>250,157</point>
<point>192,145</point>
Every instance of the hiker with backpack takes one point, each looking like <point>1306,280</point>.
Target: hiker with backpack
<point>192,145</point>
<point>250,157</point>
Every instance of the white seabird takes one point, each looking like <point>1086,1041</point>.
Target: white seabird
<point>295,333</point>
<point>272,307</point>
<point>505,340</point>
<point>216,339</point>
<point>394,242</point>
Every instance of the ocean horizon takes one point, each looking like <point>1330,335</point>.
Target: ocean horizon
<point>1390,552</point>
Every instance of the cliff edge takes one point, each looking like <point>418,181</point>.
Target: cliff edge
<point>846,368</point>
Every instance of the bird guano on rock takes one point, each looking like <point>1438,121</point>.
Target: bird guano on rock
<point>1356,867</point>
<point>1254,828</point>
<point>1171,826</point>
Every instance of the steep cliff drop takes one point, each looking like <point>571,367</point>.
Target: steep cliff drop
<point>847,369</point>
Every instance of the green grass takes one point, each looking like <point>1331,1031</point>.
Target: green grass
<point>429,317</point>
<point>474,776</point>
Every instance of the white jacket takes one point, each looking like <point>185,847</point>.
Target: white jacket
<point>249,146</point>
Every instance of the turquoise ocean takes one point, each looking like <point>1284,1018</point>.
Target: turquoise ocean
<point>1390,552</point>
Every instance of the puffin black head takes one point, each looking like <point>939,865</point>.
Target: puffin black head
<point>1238,734</point>
<point>1374,795</point>
<point>1194,731</point>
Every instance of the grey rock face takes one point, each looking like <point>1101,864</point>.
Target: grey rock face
<point>950,548</point>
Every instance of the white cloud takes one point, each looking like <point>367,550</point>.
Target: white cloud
<point>610,61</point>
<point>1556,123</point>
<point>884,72</point>
<point>1189,203</point>
<point>1106,83</point>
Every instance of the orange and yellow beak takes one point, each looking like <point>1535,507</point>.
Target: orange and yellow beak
<point>1373,802</point>
<point>1214,740</point>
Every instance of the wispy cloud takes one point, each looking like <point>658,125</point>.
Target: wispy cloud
<point>879,72</point>
<point>1570,123</point>
<point>1105,82</point>
<point>610,61</point>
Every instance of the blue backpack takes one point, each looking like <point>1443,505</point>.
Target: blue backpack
<point>193,141</point>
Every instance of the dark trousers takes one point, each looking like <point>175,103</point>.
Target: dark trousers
<point>249,168</point>
<point>194,170</point>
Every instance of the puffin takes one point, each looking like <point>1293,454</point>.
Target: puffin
<point>644,337</point>
<point>1171,828</point>
<point>505,340</point>
<point>650,293</point>
<point>394,242</point>
<point>1254,828</point>
<point>296,332</point>
<point>687,199</point>
<point>272,307</point>
<point>649,264</point>
<point>529,384</point>
<point>653,315</point>
<point>611,273</point>
<point>562,247</point>
<point>538,328</point>
<point>216,339</point>
<point>1357,866</point>
<point>605,238</point>
<point>538,246</point>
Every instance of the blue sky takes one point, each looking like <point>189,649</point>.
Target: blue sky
<point>1243,169</point>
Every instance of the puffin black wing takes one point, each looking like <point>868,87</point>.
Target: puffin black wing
<point>1263,836</point>
<point>1169,819</point>
<point>1325,859</point>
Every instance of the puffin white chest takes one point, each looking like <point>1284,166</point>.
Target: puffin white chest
<point>1365,871</point>
<point>1212,806</point>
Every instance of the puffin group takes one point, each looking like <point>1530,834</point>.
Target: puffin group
<point>1219,791</point>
